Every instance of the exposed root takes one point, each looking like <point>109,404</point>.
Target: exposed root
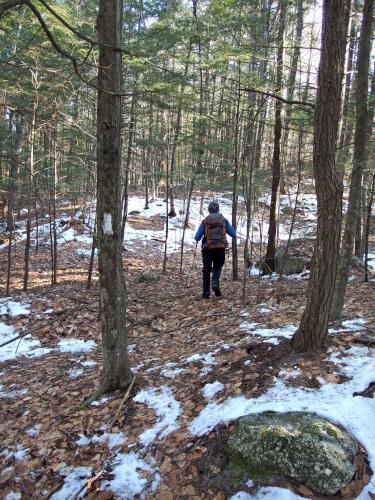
<point>100,391</point>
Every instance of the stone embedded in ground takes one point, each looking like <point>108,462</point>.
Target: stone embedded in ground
<point>295,445</point>
<point>289,264</point>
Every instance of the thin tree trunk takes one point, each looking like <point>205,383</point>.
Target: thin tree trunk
<point>125,196</point>
<point>291,86</point>
<point>275,193</point>
<point>29,195</point>
<point>359,160</point>
<point>172,211</point>
<point>368,223</point>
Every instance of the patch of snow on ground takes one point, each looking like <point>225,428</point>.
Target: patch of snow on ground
<point>20,453</point>
<point>205,371</point>
<point>272,340</point>
<point>13,496</point>
<point>100,402</point>
<point>75,373</point>
<point>290,374</point>
<point>332,401</point>
<point>13,394</point>
<point>167,410</point>
<point>172,373</point>
<point>17,348</point>
<point>75,478</point>
<point>209,390</point>
<point>111,439</point>
<point>354,324</point>
<point>207,359</point>
<point>76,345</point>
<point>350,325</point>
<point>267,493</point>
<point>33,431</point>
<point>88,362</point>
<point>13,308</point>
<point>264,310</point>
<point>128,481</point>
<point>286,331</point>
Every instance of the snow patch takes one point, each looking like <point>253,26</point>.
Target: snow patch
<point>75,478</point>
<point>76,345</point>
<point>286,331</point>
<point>33,431</point>
<point>75,373</point>
<point>167,410</point>
<point>16,348</point>
<point>209,390</point>
<point>20,453</point>
<point>111,439</point>
<point>207,359</point>
<point>13,496</point>
<point>13,308</point>
<point>128,481</point>
<point>89,362</point>
<point>267,493</point>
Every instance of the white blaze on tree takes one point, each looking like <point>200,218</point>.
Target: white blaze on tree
<point>107,224</point>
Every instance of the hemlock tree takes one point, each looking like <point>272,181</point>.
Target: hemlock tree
<point>313,329</point>
<point>116,371</point>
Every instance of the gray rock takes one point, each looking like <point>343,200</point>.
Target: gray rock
<point>289,264</point>
<point>294,445</point>
<point>135,212</point>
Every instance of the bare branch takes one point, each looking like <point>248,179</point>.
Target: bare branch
<point>279,98</point>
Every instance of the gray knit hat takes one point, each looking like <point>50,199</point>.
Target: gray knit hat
<point>213,207</point>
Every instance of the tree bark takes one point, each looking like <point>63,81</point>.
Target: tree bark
<point>116,371</point>
<point>359,160</point>
<point>313,329</point>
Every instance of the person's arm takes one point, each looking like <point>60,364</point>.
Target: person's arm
<point>230,229</point>
<point>199,233</point>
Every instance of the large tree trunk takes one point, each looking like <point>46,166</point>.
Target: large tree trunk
<point>359,160</point>
<point>116,371</point>
<point>313,329</point>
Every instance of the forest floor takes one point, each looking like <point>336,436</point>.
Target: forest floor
<point>198,366</point>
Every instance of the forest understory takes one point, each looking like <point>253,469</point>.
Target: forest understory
<point>186,354</point>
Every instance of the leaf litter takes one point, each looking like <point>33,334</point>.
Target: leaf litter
<point>199,366</point>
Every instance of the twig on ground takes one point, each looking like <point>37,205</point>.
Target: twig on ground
<point>40,327</point>
<point>124,399</point>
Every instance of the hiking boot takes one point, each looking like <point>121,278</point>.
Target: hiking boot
<point>205,296</point>
<point>216,289</point>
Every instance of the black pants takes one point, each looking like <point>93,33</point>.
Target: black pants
<point>213,260</point>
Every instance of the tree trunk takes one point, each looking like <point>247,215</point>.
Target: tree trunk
<point>116,371</point>
<point>274,208</point>
<point>359,160</point>
<point>29,195</point>
<point>125,196</point>
<point>313,329</point>
<point>291,86</point>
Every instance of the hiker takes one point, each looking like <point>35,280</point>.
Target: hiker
<point>213,229</point>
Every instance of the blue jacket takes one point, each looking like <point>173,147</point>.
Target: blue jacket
<point>200,232</point>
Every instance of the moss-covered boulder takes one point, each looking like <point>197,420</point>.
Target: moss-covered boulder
<point>295,445</point>
<point>289,264</point>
